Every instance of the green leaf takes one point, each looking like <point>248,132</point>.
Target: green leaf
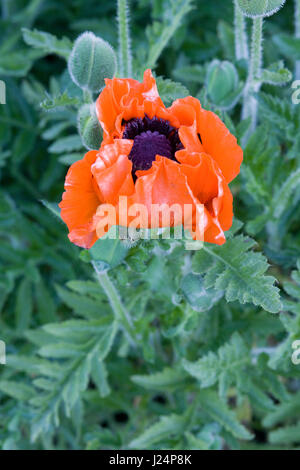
<point>283,412</point>
<point>166,427</point>
<point>230,360</point>
<point>285,435</point>
<point>59,101</point>
<point>17,64</point>
<point>288,46</point>
<point>282,196</point>
<point>81,305</point>
<point>238,271</point>
<point>24,305</point>
<point>226,37</point>
<point>170,91</point>
<point>218,411</point>
<point>276,75</point>
<point>47,43</point>
<point>190,73</point>
<point>198,297</point>
<point>73,379</point>
<point>53,208</point>
<point>160,34</point>
<point>18,390</point>
<point>66,144</point>
<point>166,380</point>
<point>99,376</point>
<point>109,252</point>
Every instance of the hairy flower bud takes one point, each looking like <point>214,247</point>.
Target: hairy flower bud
<point>91,61</point>
<point>222,83</point>
<point>260,8</point>
<point>89,127</point>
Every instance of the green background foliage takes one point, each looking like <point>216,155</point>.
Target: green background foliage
<point>191,350</point>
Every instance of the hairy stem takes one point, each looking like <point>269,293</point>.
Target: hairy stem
<point>241,40</point>
<point>253,84</point>
<point>297,34</point>
<point>125,60</point>
<point>120,312</point>
<point>87,96</point>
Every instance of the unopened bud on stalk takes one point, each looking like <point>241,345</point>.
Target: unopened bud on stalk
<point>222,83</point>
<point>91,61</point>
<point>260,8</point>
<point>89,127</point>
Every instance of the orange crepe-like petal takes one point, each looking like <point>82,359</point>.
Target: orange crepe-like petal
<point>214,137</point>
<point>124,98</point>
<point>80,201</point>
<point>112,171</point>
<point>208,184</point>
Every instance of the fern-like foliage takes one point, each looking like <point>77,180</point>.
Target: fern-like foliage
<point>239,271</point>
<point>81,346</point>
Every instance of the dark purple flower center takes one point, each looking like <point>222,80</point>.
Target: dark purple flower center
<point>151,137</point>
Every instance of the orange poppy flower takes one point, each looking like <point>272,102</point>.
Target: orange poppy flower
<point>149,155</point>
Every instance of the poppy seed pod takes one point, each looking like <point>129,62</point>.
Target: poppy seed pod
<point>260,8</point>
<point>221,81</point>
<point>91,61</point>
<point>89,127</point>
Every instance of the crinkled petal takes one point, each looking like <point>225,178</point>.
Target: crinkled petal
<point>112,171</point>
<point>208,184</point>
<point>80,201</point>
<point>124,98</point>
<point>213,136</point>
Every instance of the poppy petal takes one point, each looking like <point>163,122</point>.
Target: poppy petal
<point>112,171</point>
<point>215,138</point>
<point>124,98</point>
<point>80,201</point>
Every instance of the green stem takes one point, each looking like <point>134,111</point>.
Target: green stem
<point>253,84</point>
<point>120,312</point>
<point>87,96</point>
<point>241,40</point>
<point>125,60</point>
<point>297,34</point>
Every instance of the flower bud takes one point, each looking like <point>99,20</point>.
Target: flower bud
<point>91,61</point>
<point>89,127</point>
<point>260,8</point>
<point>221,82</point>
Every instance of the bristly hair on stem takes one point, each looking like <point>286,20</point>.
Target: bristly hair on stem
<point>125,57</point>
<point>253,85</point>
<point>240,34</point>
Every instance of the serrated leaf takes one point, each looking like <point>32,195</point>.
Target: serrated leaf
<point>238,271</point>
<point>59,101</point>
<point>170,91</point>
<point>225,366</point>
<point>276,75</point>
<point>218,411</point>
<point>166,427</point>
